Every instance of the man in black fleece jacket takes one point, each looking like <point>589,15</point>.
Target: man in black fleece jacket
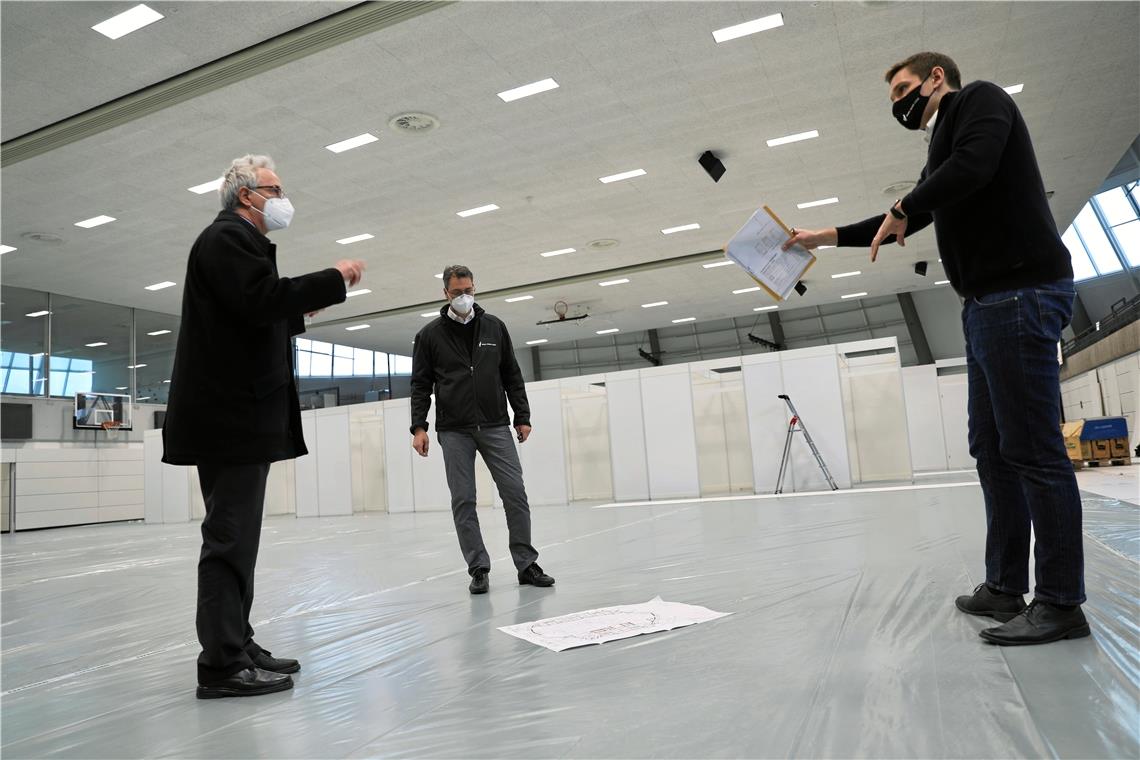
<point>999,244</point>
<point>466,360</point>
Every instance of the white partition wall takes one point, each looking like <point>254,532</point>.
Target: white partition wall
<point>811,378</point>
<point>57,485</point>
<point>924,419</point>
<point>878,441</point>
<point>767,417</point>
<point>398,454</point>
<point>429,477</point>
<point>953,394</point>
<point>323,478</point>
<point>586,424</point>
<point>543,456</point>
<point>166,488</point>
<point>724,450</point>
<point>281,488</point>
<point>670,433</point>
<point>366,443</point>
<point>628,465</point>
<point>306,485</point>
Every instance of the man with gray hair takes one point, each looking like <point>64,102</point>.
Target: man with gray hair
<point>234,409</point>
<point>466,358</point>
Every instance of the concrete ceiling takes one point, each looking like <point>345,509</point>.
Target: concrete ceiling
<point>643,85</point>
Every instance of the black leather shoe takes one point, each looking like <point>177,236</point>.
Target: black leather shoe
<point>533,576</point>
<point>1039,623</point>
<point>479,583</point>
<point>266,661</point>
<point>250,682</point>
<point>989,603</point>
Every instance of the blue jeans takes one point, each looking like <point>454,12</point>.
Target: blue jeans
<point>1015,436</point>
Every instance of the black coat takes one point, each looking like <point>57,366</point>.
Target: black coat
<point>472,370</point>
<point>233,399</point>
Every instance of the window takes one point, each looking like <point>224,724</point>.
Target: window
<point>1105,236</point>
<point>329,360</point>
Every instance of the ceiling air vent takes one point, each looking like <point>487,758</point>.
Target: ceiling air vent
<point>603,245</point>
<point>898,189</point>
<point>413,123</point>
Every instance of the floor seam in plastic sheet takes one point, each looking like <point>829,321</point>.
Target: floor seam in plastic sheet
<point>843,640</point>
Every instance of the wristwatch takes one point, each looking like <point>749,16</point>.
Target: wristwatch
<point>895,212</point>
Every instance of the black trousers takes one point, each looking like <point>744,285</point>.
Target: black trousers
<point>231,535</point>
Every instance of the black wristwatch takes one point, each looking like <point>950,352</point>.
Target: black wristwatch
<point>895,212</point>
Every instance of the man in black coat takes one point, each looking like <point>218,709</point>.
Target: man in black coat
<point>982,190</point>
<point>467,360</point>
<point>233,409</point>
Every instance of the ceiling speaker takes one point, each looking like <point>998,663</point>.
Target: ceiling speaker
<point>712,165</point>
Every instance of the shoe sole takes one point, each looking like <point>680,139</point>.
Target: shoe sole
<point>1001,617</point>
<point>212,692</point>
<point>477,592</point>
<point>294,669</point>
<point>1076,633</point>
<point>536,585</point>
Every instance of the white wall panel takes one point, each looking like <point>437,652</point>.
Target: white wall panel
<point>398,455</point>
<point>629,467</point>
<point>953,394</point>
<point>924,419</point>
<point>307,484</point>
<point>670,433</point>
<point>543,456</point>
<point>334,462</point>
<point>811,377</point>
<point>429,475</point>
<point>767,417</point>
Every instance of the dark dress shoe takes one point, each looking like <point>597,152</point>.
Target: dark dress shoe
<point>266,661</point>
<point>1039,623</point>
<point>533,576</point>
<point>250,682</point>
<point>989,603</point>
<point>479,583</point>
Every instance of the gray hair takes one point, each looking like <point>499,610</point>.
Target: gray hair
<point>242,173</point>
<point>456,271</point>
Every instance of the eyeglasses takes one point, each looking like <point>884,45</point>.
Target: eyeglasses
<point>457,293</point>
<point>278,192</point>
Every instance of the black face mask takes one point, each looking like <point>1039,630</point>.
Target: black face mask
<point>909,108</point>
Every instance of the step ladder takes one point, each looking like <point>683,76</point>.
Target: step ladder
<point>797,426</point>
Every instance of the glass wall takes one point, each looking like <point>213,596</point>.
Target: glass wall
<point>156,336</point>
<point>90,347</point>
<point>356,375</point>
<point>23,340</point>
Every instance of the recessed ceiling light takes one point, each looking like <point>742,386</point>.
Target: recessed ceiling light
<point>623,175</point>
<point>528,89</point>
<point>793,138</point>
<point>96,344</point>
<point>352,142</point>
<point>430,314</point>
<point>654,304</point>
<point>745,290</point>
<point>716,264</point>
<point>95,221</point>
<point>942,282</point>
<point>144,398</point>
<point>765,308</point>
<point>121,388</point>
<point>682,228</point>
<point>516,299</point>
<point>358,327</point>
<point>813,204</point>
<point>354,293</point>
<point>165,381</point>
<point>355,239</point>
<point>749,27</point>
<point>478,210</point>
<point>6,249</point>
<point>135,366</point>
<point>127,21</point>
<point>159,332</point>
<point>841,275</point>
<point>537,342</point>
<point>439,276</point>
<point>855,295</point>
<point>607,283</point>
<point>207,187</point>
<point>38,314</point>
<point>1013,89</point>
<point>609,331</point>
<point>161,285</point>
<point>559,252</point>
<point>685,319</point>
<point>824,247</point>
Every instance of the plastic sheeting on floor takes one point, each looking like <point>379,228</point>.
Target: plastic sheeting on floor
<point>844,639</point>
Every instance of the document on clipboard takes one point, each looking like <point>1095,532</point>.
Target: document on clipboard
<point>758,249</point>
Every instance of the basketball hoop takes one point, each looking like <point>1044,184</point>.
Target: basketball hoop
<point>111,428</point>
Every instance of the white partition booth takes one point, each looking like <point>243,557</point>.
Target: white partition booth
<point>672,432</point>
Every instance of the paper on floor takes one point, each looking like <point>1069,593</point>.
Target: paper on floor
<point>580,629</point>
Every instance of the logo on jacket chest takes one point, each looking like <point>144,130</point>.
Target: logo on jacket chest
<point>491,345</point>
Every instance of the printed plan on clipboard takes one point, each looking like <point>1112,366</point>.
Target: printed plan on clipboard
<point>757,248</point>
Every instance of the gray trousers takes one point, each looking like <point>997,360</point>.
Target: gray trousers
<point>502,458</point>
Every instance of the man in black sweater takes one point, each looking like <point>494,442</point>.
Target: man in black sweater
<point>983,191</point>
<point>466,359</point>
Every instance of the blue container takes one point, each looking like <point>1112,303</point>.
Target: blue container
<point>1104,428</point>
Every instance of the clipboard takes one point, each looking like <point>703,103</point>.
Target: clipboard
<point>811,258</point>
